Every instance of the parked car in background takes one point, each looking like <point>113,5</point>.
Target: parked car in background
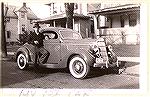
<point>68,49</point>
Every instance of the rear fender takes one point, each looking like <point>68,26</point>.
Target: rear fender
<point>24,51</point>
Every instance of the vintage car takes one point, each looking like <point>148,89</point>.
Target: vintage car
<point>69,50</point>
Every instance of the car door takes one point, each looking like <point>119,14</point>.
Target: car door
<point>53,45</point>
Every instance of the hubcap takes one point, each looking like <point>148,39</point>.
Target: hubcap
<point>21,61</point>
<point>78,67</point>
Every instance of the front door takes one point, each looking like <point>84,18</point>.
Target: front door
<point>53,45</point>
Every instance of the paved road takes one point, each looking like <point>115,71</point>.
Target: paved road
<point>12,77</point>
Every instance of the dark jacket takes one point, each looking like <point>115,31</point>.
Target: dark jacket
<point>34,37</point>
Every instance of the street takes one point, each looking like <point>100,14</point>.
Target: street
<point>12,77</point>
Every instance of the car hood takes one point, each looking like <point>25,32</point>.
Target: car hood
<point>80,41</point>
<point>83,41</point>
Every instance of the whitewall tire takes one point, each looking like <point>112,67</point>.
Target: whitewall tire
<point>78,67</point>
<point>22,61</point>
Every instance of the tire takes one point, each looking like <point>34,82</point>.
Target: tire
<point>113,70</point>
<point>78,67</point>
<point>116,70</point>
<point>22,61</point>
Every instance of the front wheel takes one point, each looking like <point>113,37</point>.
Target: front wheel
<point>22,61</point>
<point>78,67</point>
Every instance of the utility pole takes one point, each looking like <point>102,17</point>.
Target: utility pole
<point>3,38</point>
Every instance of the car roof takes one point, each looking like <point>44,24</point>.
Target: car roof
<point>55,29</point>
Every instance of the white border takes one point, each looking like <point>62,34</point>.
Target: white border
<point>14,92</point>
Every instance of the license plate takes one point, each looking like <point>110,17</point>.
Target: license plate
<point>99,60</point>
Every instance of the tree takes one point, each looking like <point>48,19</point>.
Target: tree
<point>3,38</point>
<point>69,7</point>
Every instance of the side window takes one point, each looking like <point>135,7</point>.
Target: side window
<point>8,34</point>
<point>49,35</point>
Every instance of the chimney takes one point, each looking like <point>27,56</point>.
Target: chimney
<point>24,4</point>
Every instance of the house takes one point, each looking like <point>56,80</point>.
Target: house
<point>18,21</point>
<point>81,21</point>
<point>118,24</point>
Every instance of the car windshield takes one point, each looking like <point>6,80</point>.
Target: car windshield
<point>66,34</point>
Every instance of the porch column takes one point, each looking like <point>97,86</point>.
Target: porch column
<point>66,24</point>
<point>54,22</point>
<point>73,24</point>
<point>96,30</point>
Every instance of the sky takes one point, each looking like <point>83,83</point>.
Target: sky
<point>38,8</point>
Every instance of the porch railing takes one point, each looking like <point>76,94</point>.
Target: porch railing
<point>128,35</point>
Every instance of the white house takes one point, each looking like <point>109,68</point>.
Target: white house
<point>118,23</point>
<point>18,20</point>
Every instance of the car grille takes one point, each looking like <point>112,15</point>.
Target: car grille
<point>103,53</point>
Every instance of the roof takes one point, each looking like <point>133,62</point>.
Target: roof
<point>13,9</point>
<point>117,9</point>
<point>62,16</point>
<point>11,12</point>
<point>31,15</point>
<point>94,6</point>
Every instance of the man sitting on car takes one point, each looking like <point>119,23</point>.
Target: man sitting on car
<point>36,39</point>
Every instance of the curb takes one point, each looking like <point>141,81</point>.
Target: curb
<point>129,59</point>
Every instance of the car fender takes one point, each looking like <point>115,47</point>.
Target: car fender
<point>24,51</point>
<point>89,58</point>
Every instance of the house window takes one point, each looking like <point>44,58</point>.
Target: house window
<point>132,20</point>
<point>8,34</point>
<point>31,21</point>
<point>107,19</point>
<point>55,9</point>
<point>75,6</point>
<point>23,28</point>
<point>7,19</point>
<point>22,15</point>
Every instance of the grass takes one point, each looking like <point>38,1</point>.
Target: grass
<point>124,50</point>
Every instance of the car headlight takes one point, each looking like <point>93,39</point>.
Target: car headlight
<point>110,47</point>
<point>95,50</point>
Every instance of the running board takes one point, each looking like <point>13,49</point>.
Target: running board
<point>51,65</point>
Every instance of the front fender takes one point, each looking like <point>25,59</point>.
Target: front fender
<point>87,56</point>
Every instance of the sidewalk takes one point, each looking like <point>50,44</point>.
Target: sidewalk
<point>129,59</point>
<point>134,70</point>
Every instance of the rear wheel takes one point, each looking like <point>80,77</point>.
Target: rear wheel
<point>78,67</point>
<point>22,61</point>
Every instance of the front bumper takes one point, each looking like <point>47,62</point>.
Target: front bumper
<point>105,63</point>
